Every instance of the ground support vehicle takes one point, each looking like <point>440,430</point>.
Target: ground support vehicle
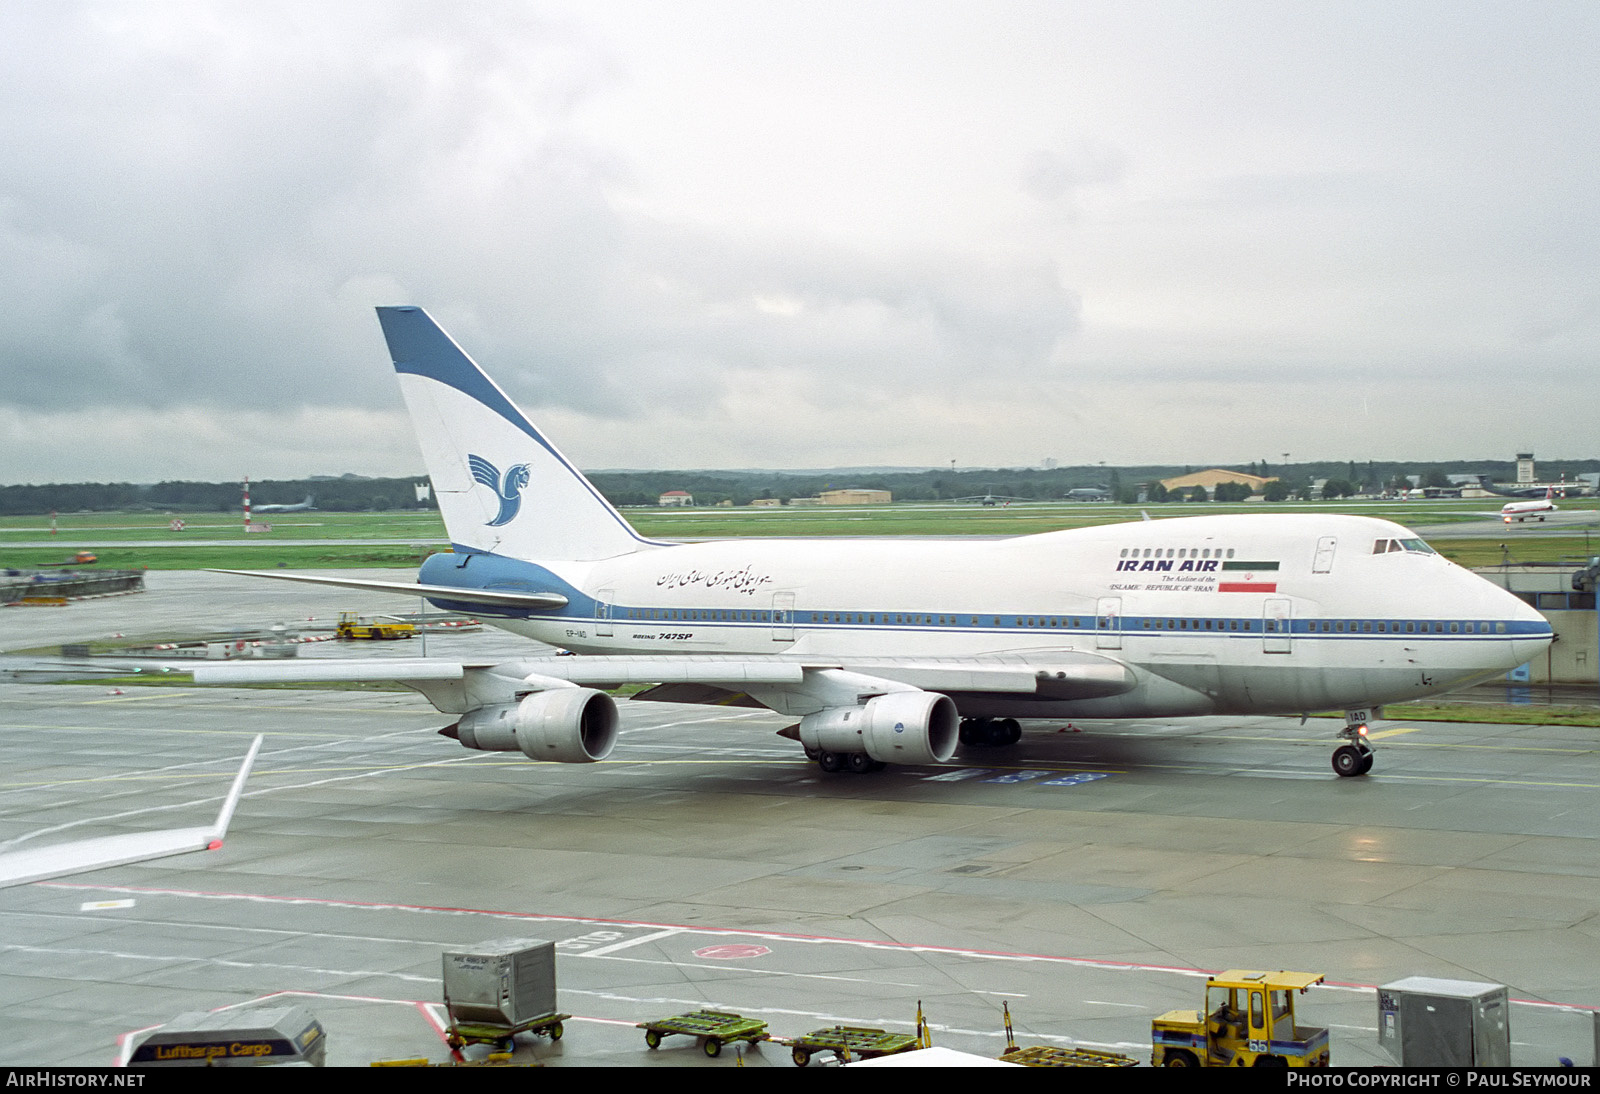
<point>352,626</point>
<point>712,1028</point>
<point>1046,1056</point>
<point>503,1038</point>
<point>849,1043</point>
<point>1249,1021</point>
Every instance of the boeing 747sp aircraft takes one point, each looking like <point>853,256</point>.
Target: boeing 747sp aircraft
<point>890,651</point>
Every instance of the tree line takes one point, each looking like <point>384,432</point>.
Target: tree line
<point>642,488</point>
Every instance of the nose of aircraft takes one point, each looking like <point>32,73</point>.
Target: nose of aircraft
<point>1531,633</point>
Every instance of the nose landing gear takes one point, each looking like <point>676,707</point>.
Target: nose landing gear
<point>1354,758</point>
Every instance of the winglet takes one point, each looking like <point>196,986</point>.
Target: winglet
<point>81,856</point>
<point>225,814</point>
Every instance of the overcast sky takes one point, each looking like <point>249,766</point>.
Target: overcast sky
<point>800,234</point>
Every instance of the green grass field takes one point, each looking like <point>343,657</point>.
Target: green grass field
<point>147,540</point>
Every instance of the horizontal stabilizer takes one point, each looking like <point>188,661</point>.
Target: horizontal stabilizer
<point>490,597</point>
<point>80,856</point>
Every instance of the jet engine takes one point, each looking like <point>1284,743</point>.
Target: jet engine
<point>907,727</point>
<point>566,725</point>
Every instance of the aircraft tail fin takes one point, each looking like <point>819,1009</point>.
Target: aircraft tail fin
<point>502,486</point>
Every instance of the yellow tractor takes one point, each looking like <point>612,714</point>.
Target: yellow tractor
<point>353,626</point>
<point>1249,1021</point>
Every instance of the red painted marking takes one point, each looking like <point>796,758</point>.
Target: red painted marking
<point>731,952</point>
<point>780,936</point>
<point>1244,587</point>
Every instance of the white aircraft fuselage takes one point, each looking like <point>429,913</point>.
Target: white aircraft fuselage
<point>1228,614</point>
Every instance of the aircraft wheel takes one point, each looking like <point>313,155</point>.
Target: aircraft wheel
<point>1366,763</point>
<point>1347,761</point>
<point>974,731</point>
<point>860,763</point>
<point>1013,731</point>
<point>830,762</point>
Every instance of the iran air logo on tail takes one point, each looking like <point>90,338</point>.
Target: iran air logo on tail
<point>508,489</point>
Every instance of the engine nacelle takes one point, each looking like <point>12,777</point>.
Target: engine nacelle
<point>905,727</point>
<point>566,725</point>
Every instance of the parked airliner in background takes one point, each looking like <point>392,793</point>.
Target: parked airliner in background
<point>892,650</point>
<point>1563,489</point>
<point>1520,511</point>
<point>298,507</point>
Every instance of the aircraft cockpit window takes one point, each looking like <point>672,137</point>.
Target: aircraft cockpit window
<point>1418,546</point>
<point>1394,545</point>
<point>1381,546</point>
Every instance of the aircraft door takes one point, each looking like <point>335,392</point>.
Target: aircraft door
<point>783,617</point>
<point>1260,1039</point>
<point>1324,560</point>
<point>1108,623</point>
<point>602,612</point>
<point>1277,618</point>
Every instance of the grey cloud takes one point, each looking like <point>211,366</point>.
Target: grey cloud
<point>1050,175</point>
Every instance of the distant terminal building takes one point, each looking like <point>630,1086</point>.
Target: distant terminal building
<point>855,497</point>
<point>675,497</point>
<point>1215,477</point>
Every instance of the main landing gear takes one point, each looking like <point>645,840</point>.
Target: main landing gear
<point>1354,758</point>
<point>857,762</point>
<point>990,731</point>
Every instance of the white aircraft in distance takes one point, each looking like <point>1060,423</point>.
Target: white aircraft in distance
<point>1520,511</point>
<point>890,650</point>
<point>298,507</point>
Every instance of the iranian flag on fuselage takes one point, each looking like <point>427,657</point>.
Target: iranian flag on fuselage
<point>1248,573</point>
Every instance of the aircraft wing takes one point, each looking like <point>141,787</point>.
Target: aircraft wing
<point>80,856</point>
<point>1080,675</point>
<point>498,598</point>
